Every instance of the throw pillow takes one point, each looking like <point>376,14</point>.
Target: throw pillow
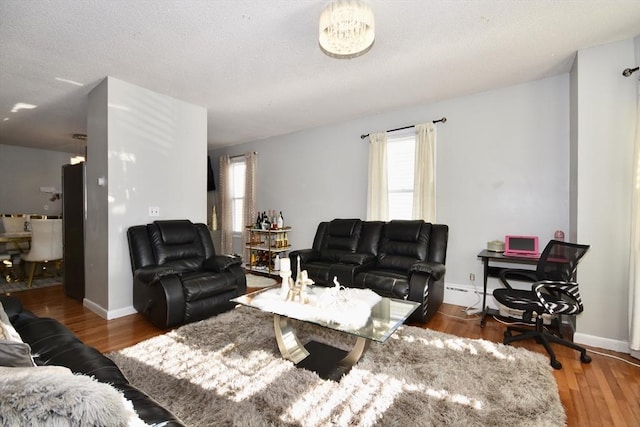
<point>13,352</point>
<point>54,396</point>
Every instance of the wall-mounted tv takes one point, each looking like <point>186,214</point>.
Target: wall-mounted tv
<point>211,182</point>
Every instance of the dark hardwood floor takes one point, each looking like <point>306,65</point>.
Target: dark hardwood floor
<point>603,393</point>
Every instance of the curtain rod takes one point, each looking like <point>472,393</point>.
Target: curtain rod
<point>241,155</point>
<point>442,120</point>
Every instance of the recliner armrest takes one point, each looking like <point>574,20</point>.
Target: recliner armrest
<point>357,259</point>
<point>152,273</point>
<point>306,255</point>
<point>218,263</point>
<point>434,269</point>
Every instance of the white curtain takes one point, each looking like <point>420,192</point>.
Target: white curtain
<point>226,208</point>
<point>424,181</point>
<point>634,261</point>
<point>378,194</point>
<point>249,206</point>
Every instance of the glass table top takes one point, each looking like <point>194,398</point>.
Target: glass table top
<point>386,316</point>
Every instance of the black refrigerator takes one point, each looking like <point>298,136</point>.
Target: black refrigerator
<point>73,207</point>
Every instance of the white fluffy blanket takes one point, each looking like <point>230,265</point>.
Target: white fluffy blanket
<point>349,308</point>
<point>53,396</point>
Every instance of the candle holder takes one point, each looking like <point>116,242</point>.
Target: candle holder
<point>286,278</point>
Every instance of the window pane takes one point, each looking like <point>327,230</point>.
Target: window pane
<point>238,172</point>
<point>237,214</point>
<point>400,205</point>
<point>400,155</point>
<point>400,164</point>
<point>238,179</point>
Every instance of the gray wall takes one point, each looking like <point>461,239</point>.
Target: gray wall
<point>151,149</point>
<point>602,148</point>
<point>22,172</point>
<point>502,168</point>
<point>548,155</point>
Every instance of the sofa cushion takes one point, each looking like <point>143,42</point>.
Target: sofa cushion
<point>206,284</point>
<point>176,241</point>
<point>342,238</point>
<point>385,282</point>
<point>403,244</point>
<point>319,272</point>
<point>176,232</point>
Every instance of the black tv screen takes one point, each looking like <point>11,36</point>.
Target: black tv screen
<point>211,182</point>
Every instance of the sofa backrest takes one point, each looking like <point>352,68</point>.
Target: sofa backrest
<point>176,243</point>
<point>370,237</point>
<point>438,243</point>
<point>403,243</point>
<point>337,238</point>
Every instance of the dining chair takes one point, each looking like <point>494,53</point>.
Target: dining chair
<point>46,245</point>
<point>14,223</point>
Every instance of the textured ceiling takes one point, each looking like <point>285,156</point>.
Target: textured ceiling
<point>256,65</point>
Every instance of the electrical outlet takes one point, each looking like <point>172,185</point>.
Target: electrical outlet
<point>472,276</point>
<point>154,211</point>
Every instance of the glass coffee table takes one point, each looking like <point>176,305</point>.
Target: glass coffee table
<point>387,315</point>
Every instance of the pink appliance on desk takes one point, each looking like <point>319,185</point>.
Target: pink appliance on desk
<point>521,246</point>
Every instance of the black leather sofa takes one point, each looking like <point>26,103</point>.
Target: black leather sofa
<point>177,276</point>
<point>52,343</point>
<point>398,259</point>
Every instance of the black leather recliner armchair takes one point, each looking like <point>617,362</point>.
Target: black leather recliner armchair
<point>397,259</point>
<point>177,276</point>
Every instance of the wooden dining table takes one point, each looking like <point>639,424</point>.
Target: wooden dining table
<point>15,239</point>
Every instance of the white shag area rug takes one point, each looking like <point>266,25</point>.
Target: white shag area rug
<point>227,370</point>
<point>255,281</point>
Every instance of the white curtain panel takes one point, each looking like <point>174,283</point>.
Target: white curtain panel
<point>226,207</point>
<point>424,181</point>
<point>249,208</point>
<point>378,194</point>
<point>634,261</point>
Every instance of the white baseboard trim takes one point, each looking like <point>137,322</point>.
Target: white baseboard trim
<point>108,314</point>
<point>601,342</point>
<point>121,312</point>
<point>97,309</point>
<point>467,295</point>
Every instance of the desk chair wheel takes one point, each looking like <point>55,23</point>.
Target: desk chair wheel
<point>507,333</point>
<point>585,358</point>
<point>555,364</point>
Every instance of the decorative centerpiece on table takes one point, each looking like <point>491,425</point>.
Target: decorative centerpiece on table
<point>348,307</point>
<point>294,291</point>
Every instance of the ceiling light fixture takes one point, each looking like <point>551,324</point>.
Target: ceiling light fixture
<point>347,29</point>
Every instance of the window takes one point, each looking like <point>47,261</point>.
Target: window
<point>400,165</point>
<point>238,169</point>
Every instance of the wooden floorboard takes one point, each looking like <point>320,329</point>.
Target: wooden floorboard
<point>605,392</point>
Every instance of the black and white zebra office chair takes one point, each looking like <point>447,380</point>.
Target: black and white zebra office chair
<point>554,291</point>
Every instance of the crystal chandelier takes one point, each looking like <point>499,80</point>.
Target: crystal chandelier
<point>347,29</point>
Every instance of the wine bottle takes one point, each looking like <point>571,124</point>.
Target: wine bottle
<point>280,221</point>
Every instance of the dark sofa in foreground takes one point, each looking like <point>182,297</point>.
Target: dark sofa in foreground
<point>402,259</point>
<point>53,344</point>
<point>177,276</point>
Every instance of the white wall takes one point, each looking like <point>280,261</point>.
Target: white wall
<point>152,151</point>
<point>603,144</point>
<point>22,172</point>
<point>502,168</point>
